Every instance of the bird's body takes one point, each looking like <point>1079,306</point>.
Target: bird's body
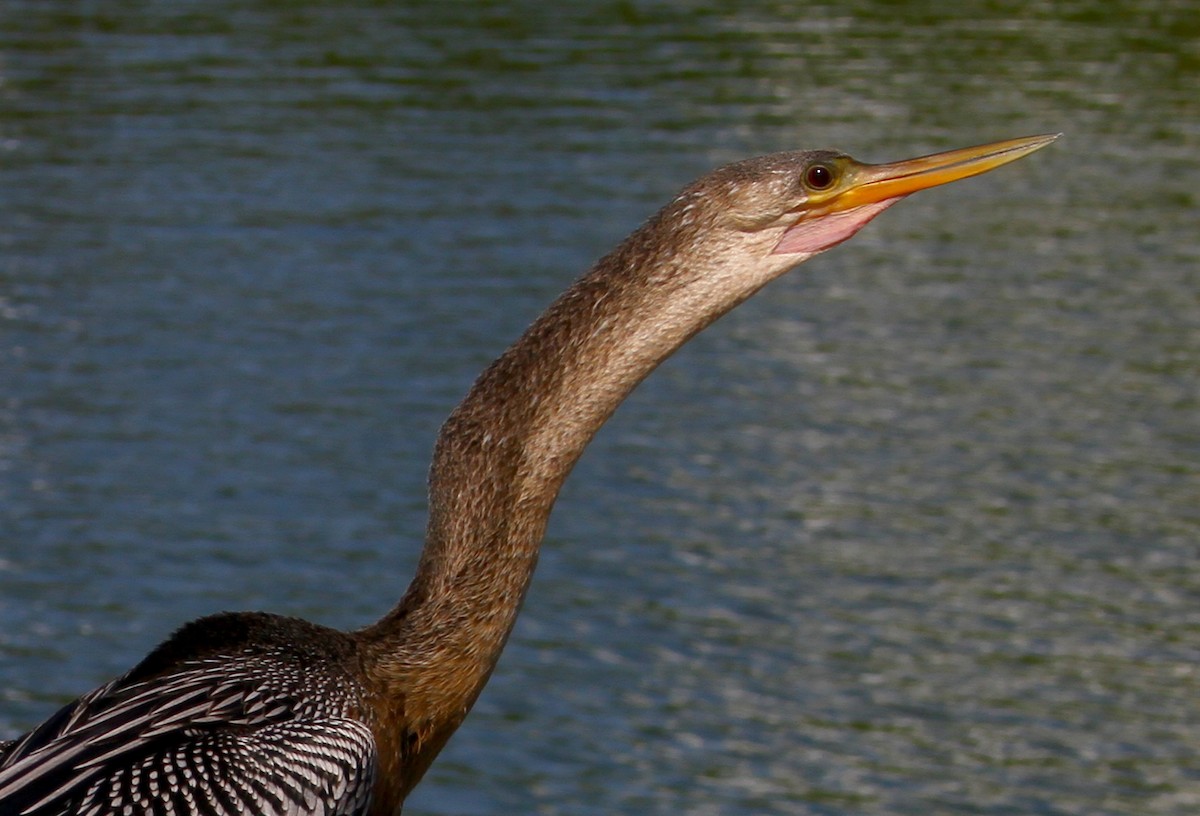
<point>261,714</point>
<point>275,700</point>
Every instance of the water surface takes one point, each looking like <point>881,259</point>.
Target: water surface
<point>911,532</point>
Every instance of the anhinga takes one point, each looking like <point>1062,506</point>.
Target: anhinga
<point>252,713</point>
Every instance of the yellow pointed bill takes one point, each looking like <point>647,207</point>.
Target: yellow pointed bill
<point>871,183</point>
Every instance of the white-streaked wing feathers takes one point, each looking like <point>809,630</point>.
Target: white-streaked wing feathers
<point>318,768</point>
<point>215,738</point>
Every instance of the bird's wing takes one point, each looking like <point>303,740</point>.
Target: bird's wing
<point>195,742</point>
<point>319,768</point>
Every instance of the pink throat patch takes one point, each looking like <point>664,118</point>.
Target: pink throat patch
<point>818,234</point>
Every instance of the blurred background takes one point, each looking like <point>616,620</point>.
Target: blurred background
<point>912,532</point>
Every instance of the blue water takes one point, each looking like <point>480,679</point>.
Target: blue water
<point>911,532</point>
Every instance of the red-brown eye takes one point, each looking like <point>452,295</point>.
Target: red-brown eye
<point>818,177</point>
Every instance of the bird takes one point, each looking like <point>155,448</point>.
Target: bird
<point>257,713</point>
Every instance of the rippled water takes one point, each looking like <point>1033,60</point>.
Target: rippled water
<point>914,531</point>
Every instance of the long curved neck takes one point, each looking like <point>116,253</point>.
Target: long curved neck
<point>505,451</point>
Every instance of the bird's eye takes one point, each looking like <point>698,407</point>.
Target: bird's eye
<point>818,177</point>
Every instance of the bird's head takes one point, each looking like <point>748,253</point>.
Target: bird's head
<point>775,211</point>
